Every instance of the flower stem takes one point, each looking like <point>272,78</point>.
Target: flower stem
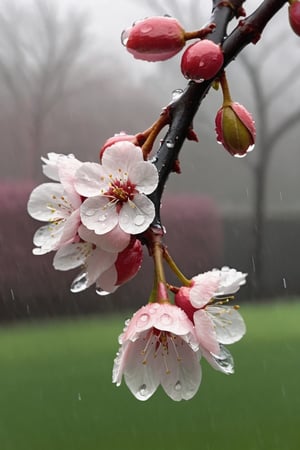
<point>225,89</point>
<point>152,132</point>
<point>173,266</point>
<point>159,292</point>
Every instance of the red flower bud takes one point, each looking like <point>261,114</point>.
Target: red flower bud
<point>294,16</point>
<point>235,129</point>
<point>154,38</point>
<point>202,60</point>
<point>129,262</point>
<point>117,138</point>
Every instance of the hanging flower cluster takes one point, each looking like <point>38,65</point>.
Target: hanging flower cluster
<point>93,214</point>
<point>98,216</point>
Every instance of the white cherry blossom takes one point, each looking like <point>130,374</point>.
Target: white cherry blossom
<point>117,190</point>
<point>159,346</point>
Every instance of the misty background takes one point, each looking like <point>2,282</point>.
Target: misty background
<point>67,84</point>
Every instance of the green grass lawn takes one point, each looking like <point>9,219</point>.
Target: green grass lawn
<point>56,391</point>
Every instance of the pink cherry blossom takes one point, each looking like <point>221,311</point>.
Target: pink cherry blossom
<point>215,323</point>
<point>159,346</point>
<point>56,203</point>
<point>117,190</point>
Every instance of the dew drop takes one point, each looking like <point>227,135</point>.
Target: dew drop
<point>178,386</point>
<point>102,292</point>
<point>238,155</point>
<point>80,283</point>
<point>125,36</point>
<point>139,220</point>
<point>143,320</point>
<point>146,28</point>
<point>143,390</point>
<point>201,64</point>
<point>170,144</point>
<point>166,319</point>
<point>176,94</point>
<point>103,217</point>
<point>251,148</point>
<point>90,212</point>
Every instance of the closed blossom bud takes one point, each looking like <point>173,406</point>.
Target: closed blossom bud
<point>129,262</point>
<point>154,38</point>
<point>235,129</point>
<point>294,16</point>
<point>202,60</point>
<point>117,138</point>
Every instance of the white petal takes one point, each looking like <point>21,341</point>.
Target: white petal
<point>230,281</point>
<point>91,179</point>
<point>119,158</point>
<point>204,288</point>
<point>50,168</point>
<point>145,176</point>
<point>205,331</point>
<point>47,202</point>
<point>141,372</point>
<point>48,237</point>
<point>107,280</point>
<point>181,376</point>
<point>99,214</point>
<point>135,217</point>
<point>115,240</point>
<point>67,169</point>
<point>71,256</point>
<point>98,262</point>
<point>229,324</point>
<point>223,362</point>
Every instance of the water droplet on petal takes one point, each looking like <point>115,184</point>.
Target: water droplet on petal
<point>166,319</point>
<point>143,320</point>
<point>178,386</point>
<point>90,212</point>
<point>139,220</point>
<point>102,217</point>
<point>238,155</point>
<point>143,390</point>
<point>153,308</point>
<point>201,64</point>
<point>147,28</point>
<point>101,292</point>
<point>80,283</point>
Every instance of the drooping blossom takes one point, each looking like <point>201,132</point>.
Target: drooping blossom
<point>159,347</point>
<point>56,203</point>
<point>99,257</point>
<point>117,190</point>
<point>216,323</point>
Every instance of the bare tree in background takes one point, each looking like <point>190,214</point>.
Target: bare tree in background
<point>268,135</point>
<point>41,49</point>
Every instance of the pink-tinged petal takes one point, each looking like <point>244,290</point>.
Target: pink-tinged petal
<point>119,158</point>
<point>70,228</point>
<point>47,238</point>
<point>107,282</point>
<point>135,217</point>
<point>204,288</point>
<point>115,240</point>
<point>181,374</point>
<point>229,324</point>
<point>142,376</point>
<point>99,214</point>
<point>182,299</point>
<point>205,332</point>
<point>91,180</point>
<point>144,176</point>
<point>48,203</point>
<point>50,168</point>
<point>98,262</point>
<point>72,255</point>
<point>223,362</point>
<point>67,169</point>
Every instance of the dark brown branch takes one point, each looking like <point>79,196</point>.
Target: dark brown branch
<point>183,110</point>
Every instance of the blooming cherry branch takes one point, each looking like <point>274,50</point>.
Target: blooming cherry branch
<point>100,214</point>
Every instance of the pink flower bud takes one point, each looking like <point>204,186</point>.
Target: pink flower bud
<point>129,262</point>
<point>235,129</point>
<point>117,138</point>
<point>294,16</point>
<point>202,60</point>
<point>154,38</point>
